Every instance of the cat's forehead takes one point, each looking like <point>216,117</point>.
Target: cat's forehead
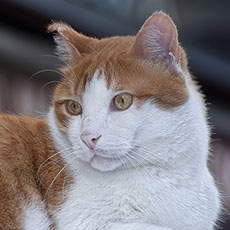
<point>96,96</point>
<point>122,71</point>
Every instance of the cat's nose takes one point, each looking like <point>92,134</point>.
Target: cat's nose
<point>90,139</point>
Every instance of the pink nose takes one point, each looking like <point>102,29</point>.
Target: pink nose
<point>90,139</point>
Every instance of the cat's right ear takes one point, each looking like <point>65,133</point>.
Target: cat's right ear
<point>70,43</point>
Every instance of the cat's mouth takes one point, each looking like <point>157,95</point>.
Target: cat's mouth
<point>104,163</point>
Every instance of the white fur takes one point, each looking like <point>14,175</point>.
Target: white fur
<point>35,218</point>
<point>157,177</point>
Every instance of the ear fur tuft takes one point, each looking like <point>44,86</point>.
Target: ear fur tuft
<point>69,42</point>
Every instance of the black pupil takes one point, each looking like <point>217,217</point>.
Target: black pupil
<point>74,106</point>
<point>122,100</point>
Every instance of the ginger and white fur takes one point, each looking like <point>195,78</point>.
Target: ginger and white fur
<point>164,185</point>
<point>148,169</point>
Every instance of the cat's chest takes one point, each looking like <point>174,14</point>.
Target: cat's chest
<point>90,205</point>
<point>93,203</point>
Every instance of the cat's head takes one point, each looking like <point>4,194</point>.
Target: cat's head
<point>120,102</point>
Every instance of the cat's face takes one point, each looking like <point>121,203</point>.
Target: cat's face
<point>121,97</point>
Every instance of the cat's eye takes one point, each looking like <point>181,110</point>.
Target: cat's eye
<point>122,101</point>
<point>73,107</point>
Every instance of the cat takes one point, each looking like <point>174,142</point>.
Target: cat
<point>124,146</point>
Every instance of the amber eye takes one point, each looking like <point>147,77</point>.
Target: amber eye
<point>123,101</point>
<point>73,107</point>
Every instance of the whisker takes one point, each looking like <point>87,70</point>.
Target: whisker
<point>48,170</point>
<point>63,188</point>
<point>51,184</point>
<point>53,155</point>
<point>149,158</point>
<point>64,62</point>
<point>45,70</point>
<point>46,84</point>
<point>142,166</point>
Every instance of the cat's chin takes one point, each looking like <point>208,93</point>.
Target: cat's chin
<point>105,164</point>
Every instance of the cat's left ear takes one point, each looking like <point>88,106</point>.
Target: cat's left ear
<point>157,40</point>
<point>70,43</point>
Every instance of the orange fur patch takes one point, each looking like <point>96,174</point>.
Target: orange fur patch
<point>25,145</point>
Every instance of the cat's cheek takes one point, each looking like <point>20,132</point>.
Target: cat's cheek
<point>74,130</point>
<point>84,153</point>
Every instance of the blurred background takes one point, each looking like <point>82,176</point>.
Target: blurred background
<point>28,65</point>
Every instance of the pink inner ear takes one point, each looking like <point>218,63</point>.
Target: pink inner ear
<point>157,39</point>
